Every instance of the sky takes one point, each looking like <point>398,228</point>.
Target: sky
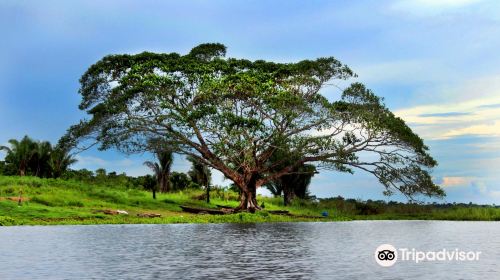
<point>435,62</point>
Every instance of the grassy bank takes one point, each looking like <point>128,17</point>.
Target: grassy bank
<point>56,201</point>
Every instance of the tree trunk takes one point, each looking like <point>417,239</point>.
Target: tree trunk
<point>288,195</point>
<point>208,193</point>
<point>154,194</point>
<point>248,197</point>
<point>164,186</point>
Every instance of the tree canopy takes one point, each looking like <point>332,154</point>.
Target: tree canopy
<point>234,114</point>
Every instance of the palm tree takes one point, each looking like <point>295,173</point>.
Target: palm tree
<point>40,160</point>
<point>200,174</point>
<point>275,187</point>
<point>162,168</point>
<point>59,161</point>
<point>20,154</point>
<point>296,183</point>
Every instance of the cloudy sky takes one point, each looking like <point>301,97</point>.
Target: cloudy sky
<point>436,63</point>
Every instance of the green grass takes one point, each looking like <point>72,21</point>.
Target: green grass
<point>57,201</point>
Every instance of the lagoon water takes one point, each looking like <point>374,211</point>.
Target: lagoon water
<point>340,250</point>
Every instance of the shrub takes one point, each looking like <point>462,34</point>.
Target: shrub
<point>6,221</point>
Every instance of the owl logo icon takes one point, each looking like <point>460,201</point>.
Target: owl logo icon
<point>386,255</point>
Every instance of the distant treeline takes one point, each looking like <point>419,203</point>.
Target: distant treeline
<point>381,207</point>
<point>178,180</point>
<point>28,157</point>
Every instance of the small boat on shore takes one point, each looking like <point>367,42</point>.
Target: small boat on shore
<point>279,212</point>
<point>198,210</point>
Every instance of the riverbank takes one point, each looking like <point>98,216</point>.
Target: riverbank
<point>63,202</point>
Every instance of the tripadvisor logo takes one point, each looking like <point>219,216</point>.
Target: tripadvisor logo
<point>387,255</point>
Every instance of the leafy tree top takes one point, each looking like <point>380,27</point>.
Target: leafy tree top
<point>234,114</point>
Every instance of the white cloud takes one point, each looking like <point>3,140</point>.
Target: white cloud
<point>471,122</point>
<point>486,191</point>
<point>469,108</point>
<point>2,152</point>
<point>480,129</point>
<point>494,194</point>
<point>487,146</point>
<point>455,181</point>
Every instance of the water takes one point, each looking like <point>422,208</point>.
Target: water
<point>245,251</point>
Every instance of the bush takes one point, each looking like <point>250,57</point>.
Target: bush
<point>10,191</point>
<point>7,221</point>
<point>194,186</point>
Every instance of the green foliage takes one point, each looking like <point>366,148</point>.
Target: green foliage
<point>208,52</point>
<point>7,221</point>
<point>59,161</point>
<point>161,168</point>
<point>100,173</point>
<point>199,173</point>
<point>293,184</point>
<point>79,175</point>
<point>192,185</point>
<point>234,114</point>
<point>296,182</point>
<point>29,157</point>
<point>148,182</point>
<point>180,181</point>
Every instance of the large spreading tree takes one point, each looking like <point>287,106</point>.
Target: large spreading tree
<point>234,114</point>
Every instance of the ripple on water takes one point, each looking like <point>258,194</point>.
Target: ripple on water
<point>243,251</point>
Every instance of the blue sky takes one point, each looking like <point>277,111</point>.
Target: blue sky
<point>434,61</point>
